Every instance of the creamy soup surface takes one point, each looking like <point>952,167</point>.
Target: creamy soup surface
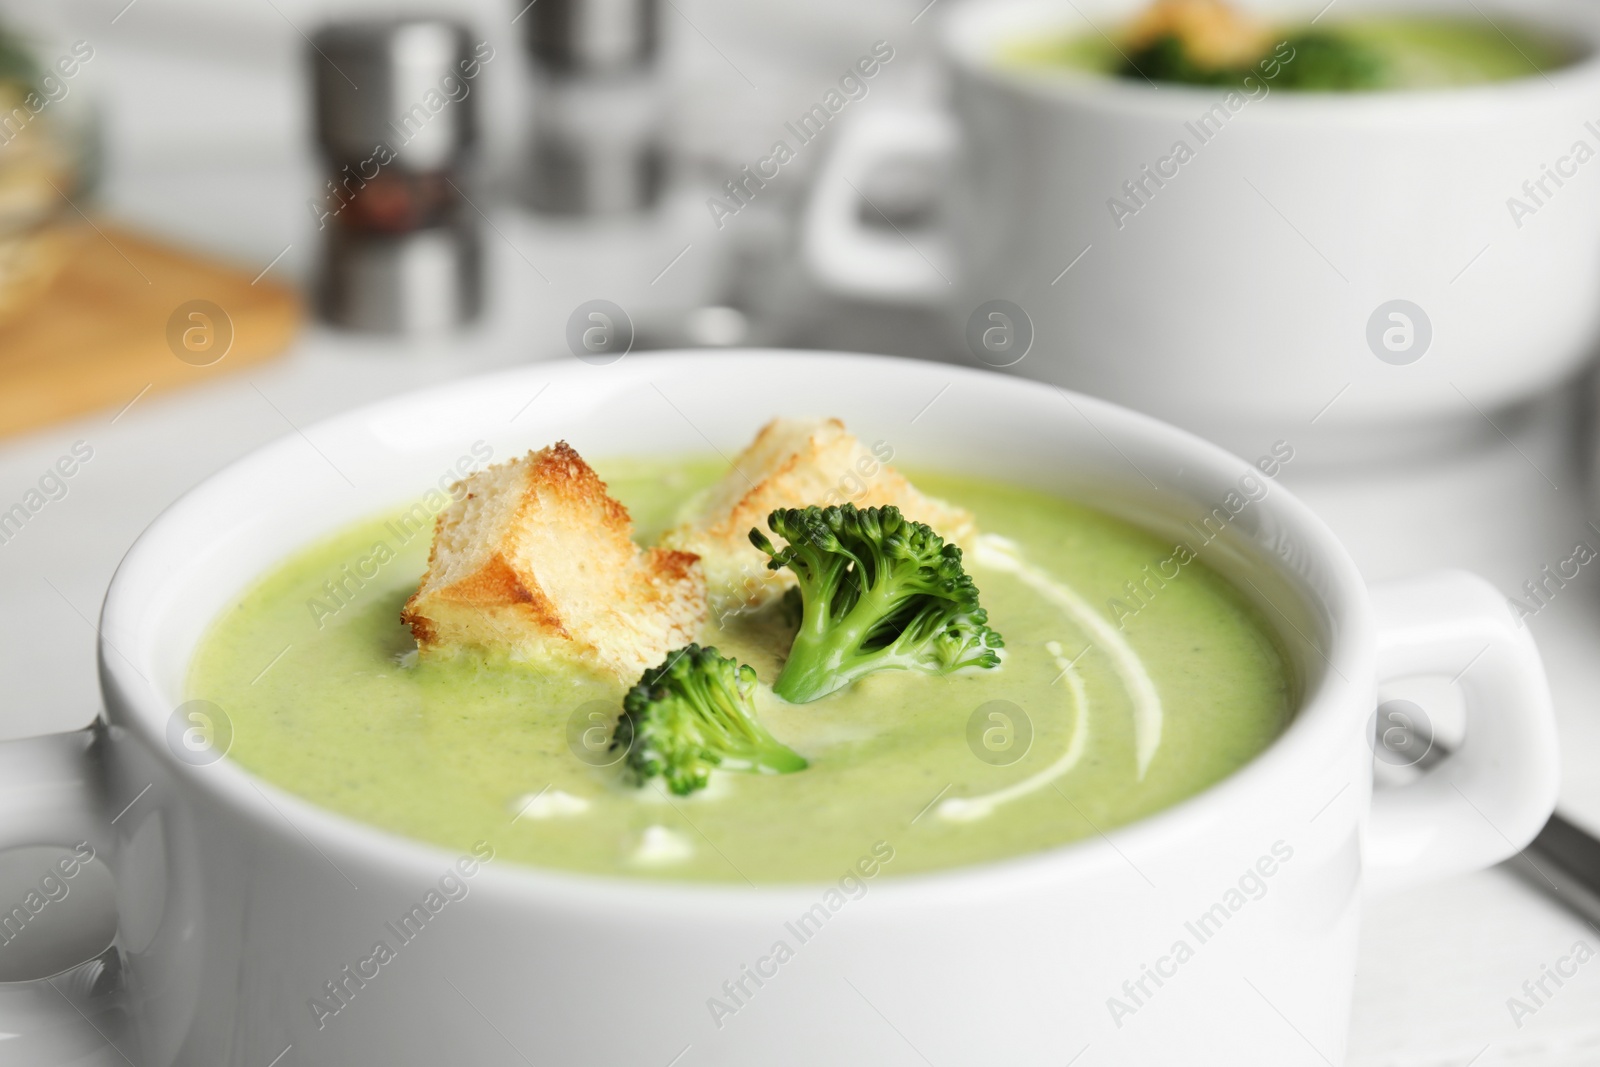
<point>1087,725</point>
<point>1407,51</point>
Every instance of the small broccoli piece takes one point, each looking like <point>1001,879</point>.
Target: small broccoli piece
<point>1319,61</point>
<point>694,712</point>
<point>18,68</point>
<point>878,592</point>
<point>1326,61</point>
<point>1167,59</point>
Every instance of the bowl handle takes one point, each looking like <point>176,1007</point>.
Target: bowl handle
<point>847,257</point>
<point>52,794</point>
<point>1488,798</point>
<point>50,791</point>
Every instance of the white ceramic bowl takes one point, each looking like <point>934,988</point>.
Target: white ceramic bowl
<point>242,907</point>
<point>1236,292</point>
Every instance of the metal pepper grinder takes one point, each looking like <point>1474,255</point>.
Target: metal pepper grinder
<point>595,147</point>
<point>396,121</point>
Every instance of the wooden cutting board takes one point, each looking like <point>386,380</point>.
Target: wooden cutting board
<point>128,316</point>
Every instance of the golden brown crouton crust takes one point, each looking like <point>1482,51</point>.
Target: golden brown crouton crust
<point>536,559</point>
<point>795,463</point>
<point>1215,33</point>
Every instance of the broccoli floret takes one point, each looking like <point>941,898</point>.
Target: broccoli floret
<point>878,592</point>
<point>1327,61</point>
<point>694,712</point>
<point>17,65</point>
<point>1319,60</point>
<point>1167,59</point>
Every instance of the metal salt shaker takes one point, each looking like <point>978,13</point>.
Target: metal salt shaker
<point>396,122</point>
<point>595,148</point>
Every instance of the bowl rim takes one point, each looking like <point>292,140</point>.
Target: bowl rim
<point>1329,713</point>
<point>968,31</point>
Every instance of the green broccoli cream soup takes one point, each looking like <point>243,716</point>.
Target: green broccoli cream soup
<point>1106,707</point>
<point>1375,52</point>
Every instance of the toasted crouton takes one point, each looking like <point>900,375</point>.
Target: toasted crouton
<point>535,560</point>
<point>1214,33</point>
<point>794,463</point>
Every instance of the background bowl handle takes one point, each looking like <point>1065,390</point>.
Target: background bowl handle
<point>1490,796</point>
<point>850,258</point>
